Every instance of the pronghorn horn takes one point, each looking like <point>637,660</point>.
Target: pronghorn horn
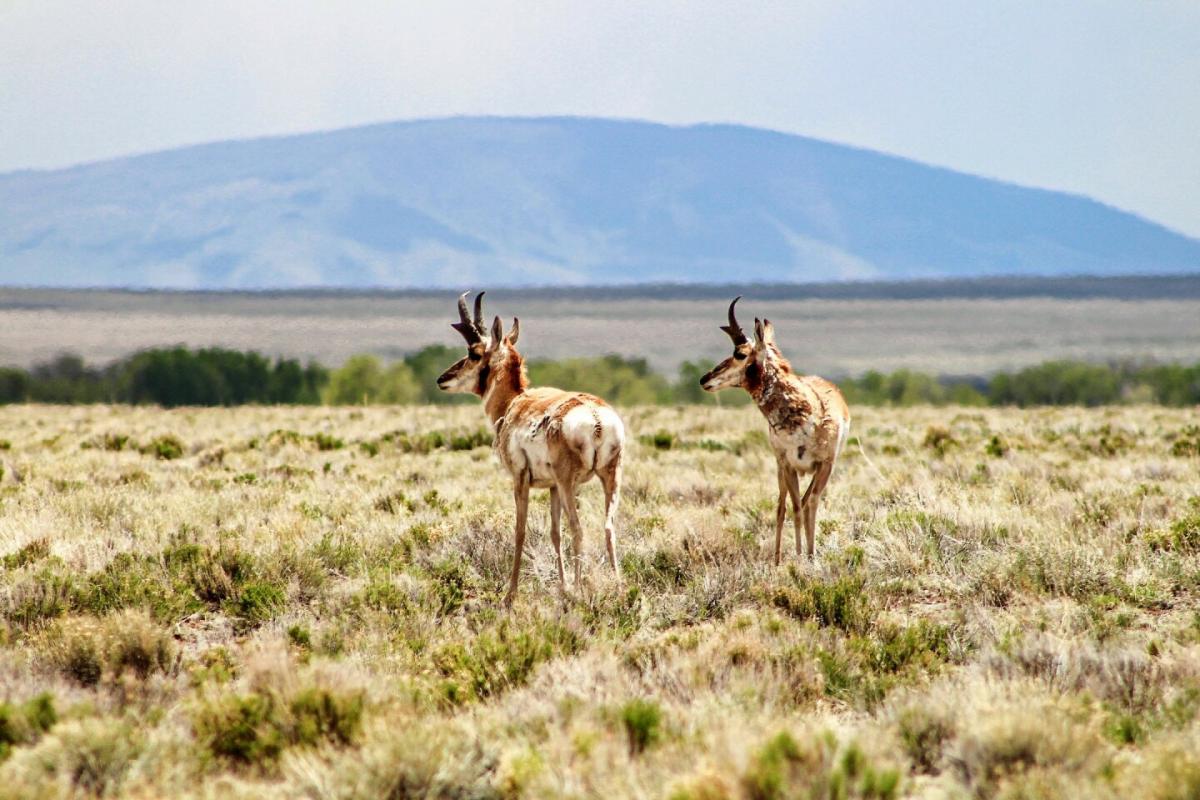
<point>478,322</point>
<point>733,329</point>
<point>464,326</point>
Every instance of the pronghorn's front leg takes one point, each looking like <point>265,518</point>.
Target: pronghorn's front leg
<point>781,471</point>
<point>556,537</point>
<point>521,495</point>
<point>798,507</point>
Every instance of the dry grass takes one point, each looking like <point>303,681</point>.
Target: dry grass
<point>305,603</point>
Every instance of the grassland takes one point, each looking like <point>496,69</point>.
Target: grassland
<point>303,602</point>
<point>974,328</point>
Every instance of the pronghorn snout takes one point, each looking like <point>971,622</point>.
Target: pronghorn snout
<point>711,382</point>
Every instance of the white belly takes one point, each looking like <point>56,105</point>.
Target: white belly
<point>795,447</point>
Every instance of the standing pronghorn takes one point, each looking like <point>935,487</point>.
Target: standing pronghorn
<point>547,438</point>
<point>807,418</point>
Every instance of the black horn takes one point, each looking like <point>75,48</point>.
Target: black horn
<point>478,322</point>
<point>733,329</point>
<point>469,330</point>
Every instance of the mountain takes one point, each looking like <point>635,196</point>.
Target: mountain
<point>548,201</point>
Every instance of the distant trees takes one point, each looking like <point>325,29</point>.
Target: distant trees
<point>214,376</point>
<point>168,377</point>
<point>363,379</point>
<point>627,381</point>
<point>906,388</point>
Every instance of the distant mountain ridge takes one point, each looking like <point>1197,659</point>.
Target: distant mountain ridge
<point>548,201</point>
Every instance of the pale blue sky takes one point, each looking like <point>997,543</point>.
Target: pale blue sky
<point>1099,98</point>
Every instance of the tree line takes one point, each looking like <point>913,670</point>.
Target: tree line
<point>179,376</point>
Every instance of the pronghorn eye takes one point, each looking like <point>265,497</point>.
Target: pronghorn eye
<point>740,356</point>
<point>475,356</point>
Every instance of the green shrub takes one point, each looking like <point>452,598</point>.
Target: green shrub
<point>133,581</point>
<point>939,440</point>
<point>258,601</point>
<point>243,729</point>
<point>30,552</point>
<point>996,447</point>
<point>1182,535</point>
<point>26,723</point>
<point>217,665</point>
<point>165,448</point>
<point>86,650</point>
<point>299,636</point>
<point>114,442</point>
<point>326,441</point>
<point>383,595</point>
<point>642,720</point>
<point>666,568</point>
<point>840,603</point>
<point>136,644</point>
<point>255,728</point>
<point>500,659</point>
<point>41,597</point>
<point>893,648</point>
<point>80,657</point>
<point>469,441</point>
<point>320,715</point>
<point>450,583</point>
<point>783,768</point>
<point>660,440</point>
<point>395,502</point>
<point>1187,443</point>
<point>213,576</point>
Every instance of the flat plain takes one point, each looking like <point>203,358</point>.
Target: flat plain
<point>304,602</point>
<point>843,330</point>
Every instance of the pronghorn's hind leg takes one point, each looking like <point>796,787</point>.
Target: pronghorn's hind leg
<point>812,498</point>
<point>780,509</point>
<point>566,496</point>
<point>521,495</point>
<point>610,478</point>
<point>556,537</point>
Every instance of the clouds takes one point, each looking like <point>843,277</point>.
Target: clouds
<point>1098,101</point>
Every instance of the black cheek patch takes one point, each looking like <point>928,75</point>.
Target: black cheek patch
<point>484,372</point>
<point>753,375</point>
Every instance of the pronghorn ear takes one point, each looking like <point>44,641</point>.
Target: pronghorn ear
<point>515,332</point>
<point>758,332</point>
<point>497,331</point>
<point>768,332</point>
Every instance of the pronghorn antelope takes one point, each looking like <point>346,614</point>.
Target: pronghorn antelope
<point>807,419</point>
<point>546,438</point>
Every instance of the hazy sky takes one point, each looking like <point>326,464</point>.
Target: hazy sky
<point>1100,98</point>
